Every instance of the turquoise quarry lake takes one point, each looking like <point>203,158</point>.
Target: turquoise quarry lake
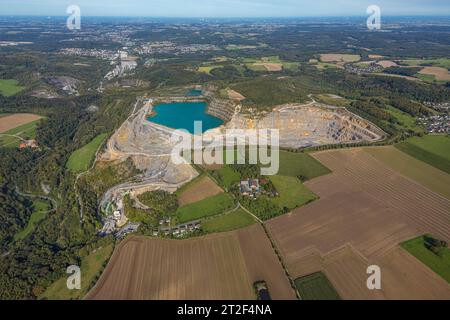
<point>182,115</point>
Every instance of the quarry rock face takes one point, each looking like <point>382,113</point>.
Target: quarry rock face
<point>150,145</point>
<point>303,126</point>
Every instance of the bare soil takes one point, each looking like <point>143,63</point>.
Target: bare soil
<point>221,266</point>
<point>199,190</point>
<point>365,210</point>
<point>16,120</point>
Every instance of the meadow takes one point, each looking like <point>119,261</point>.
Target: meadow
<point>9,87</point>
<point>439,264</point>
<point>301,165</point>
<point>231,221</point>
<point>206,208</point>
<point>80,159</point>
<point>292,193</point>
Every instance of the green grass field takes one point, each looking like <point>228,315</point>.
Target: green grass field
<point>444,62</point>
<point>228,222</point>
<point>208,69</point>
<point>91,267</point>
<point>300,164</point>
<point>26,131</point>
<point>405,120</point>
<point>206,208</point>
<point>432,149</point>
<point>40,210</point>
<point>427,78</point>
<point>316,287</point>
<point>229,176</point>
<point>332,100</point>
<point>10,87</point>
<point>440,265</point>
<point>293,193</point>
<point>80,159</point>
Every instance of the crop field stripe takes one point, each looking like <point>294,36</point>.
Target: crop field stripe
<point>365,171</point>
<point>421,154</point>
<point>421,172</point>
<point>393,191</point>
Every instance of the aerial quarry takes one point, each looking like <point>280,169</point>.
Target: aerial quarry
<point>355,222</point>
<point>150,145</point>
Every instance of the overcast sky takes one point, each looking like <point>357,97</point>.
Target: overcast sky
<point>224,8</point>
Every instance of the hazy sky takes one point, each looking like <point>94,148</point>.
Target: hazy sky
<point>224,8</point>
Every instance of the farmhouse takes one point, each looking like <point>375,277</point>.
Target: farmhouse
<point>28,144</point>
<point>250,187</point>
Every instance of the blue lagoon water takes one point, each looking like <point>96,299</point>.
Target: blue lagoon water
<point>182,115</point>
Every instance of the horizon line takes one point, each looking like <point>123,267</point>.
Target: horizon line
<point>230,17</point>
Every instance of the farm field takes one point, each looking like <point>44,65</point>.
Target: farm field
<point>440,265</point>
<point>271,64</point>
<point>443,63</point>
<point>430,177</point>
<point>80,159</point>
<point>332,100</point>
<point>208,68</point>
<point>231,221</point>
<point>13,137</point>
<point>199,190</point>
<point>365,205</point>
<point>436,144</point>
<point>387,63</point>
<point>358,170</point>
<point>10,87</point>
<point>438,73</point>
<point>91,267</point>
<point>40,210</point>
<point>316,286</point>
<point>13,121</point>
<point>228,176</point>
<point>333,57</point>
<point>156,269</point>
<point>403,276</point>
<point>301,164</point>
<point>432,149</point>
<point>293,193</point>
<point>205,208</point>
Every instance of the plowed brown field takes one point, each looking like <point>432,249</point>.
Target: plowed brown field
<point>370,208</point>
<point>199,190</point>
<point>16,120</point>
<point>212,267</point>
